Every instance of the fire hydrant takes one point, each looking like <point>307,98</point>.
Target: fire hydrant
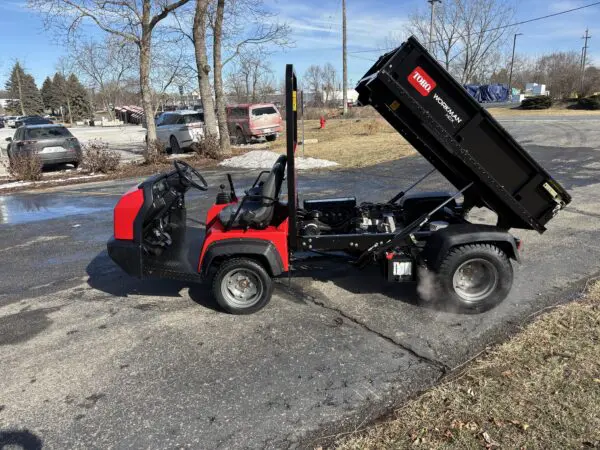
<point>323,122</point>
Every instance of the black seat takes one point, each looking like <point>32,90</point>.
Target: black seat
<point>256,209</point>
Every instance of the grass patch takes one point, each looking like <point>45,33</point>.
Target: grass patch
<point>558,111</point>
<point>540,389</point>
<point>352,143</point>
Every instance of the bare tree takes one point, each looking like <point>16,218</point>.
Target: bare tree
<point>251,78</point>
<point>224,138</point>
<point>133,20</point>
<point>104,66</point>
<point>468,35</point>
<point>313,81</point>
<point>330,83</point>
<point>237,25</point>
<point>560,72</point>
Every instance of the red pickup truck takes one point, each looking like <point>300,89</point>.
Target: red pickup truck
<point>252,121</point>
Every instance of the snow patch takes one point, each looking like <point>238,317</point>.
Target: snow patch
<point>264,159</point>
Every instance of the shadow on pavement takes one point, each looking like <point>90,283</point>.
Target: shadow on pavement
<point>104,275</point>
<point>19,439</point>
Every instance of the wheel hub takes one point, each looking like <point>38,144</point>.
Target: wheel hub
<point>475,279</point>
<point>241,288</point>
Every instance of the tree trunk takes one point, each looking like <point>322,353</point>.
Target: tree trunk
<point>199,32</point>
<point>69,109</point>
<point>20,93</point>
<point>218,76</point>
<point>145,53</point>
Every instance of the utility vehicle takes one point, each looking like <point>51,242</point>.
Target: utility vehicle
<point>248,241</point>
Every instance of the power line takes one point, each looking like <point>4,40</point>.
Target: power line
<point>497,28</point>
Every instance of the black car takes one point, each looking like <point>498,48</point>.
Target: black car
<point>54,144</point>
<point>32,120</point>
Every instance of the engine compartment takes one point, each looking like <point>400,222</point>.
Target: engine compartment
<point>344,216</point>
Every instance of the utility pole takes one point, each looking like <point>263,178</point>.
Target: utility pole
<point>512,63</point>
<point>587,37</point>
<point>345,59</point>
<point>432,2</point>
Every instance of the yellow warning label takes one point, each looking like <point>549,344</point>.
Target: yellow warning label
<point>294,100</point>
<point>550,190</point>
<point>394,106</point>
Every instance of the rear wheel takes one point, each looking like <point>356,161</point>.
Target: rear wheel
<point>75,164</point>
<point>175,148</point>
<point>242,286</point>
<point>475,278</point>
<point>240,137</point>
<point>271,138</point>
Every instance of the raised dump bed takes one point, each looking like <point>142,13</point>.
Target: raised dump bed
<point>427,106</point>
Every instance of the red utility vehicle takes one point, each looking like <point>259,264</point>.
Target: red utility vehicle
<point>248,241</point>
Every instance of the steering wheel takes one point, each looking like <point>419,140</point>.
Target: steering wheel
<point>187,173</point>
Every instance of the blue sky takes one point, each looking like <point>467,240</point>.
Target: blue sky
<point>317,32</point>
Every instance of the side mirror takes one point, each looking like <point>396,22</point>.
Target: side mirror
<point>8,139</point>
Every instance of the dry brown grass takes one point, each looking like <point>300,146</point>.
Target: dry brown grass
<point>503,112</point>
<point>351,142</point>
<point>540,390</point>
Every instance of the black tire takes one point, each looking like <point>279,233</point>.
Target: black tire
<point>240,137</point>
<point>226,291</point>
<point>484,280</point>
<point>271,138</point>
<point>75,164</point>
<point>175,148</point>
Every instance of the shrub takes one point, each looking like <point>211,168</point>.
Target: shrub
<point>155,153</point>
<point>209,147</point>
<point>590,103</point>
<point>537,102</point>
<point>97,158</point>
<point>25,167</point>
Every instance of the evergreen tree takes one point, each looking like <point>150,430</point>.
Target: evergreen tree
<point>58,96</point>
<point>79,98</point>
<point>47,94</point>
<point>21,87</point>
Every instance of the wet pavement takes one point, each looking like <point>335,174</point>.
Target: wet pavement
<point>92,358</point>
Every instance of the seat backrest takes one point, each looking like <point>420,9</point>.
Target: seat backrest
<point>272,185</point>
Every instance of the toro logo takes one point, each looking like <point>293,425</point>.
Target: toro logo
<point>422,82</point>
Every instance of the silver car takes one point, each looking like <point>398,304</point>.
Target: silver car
<point>178,130</point>
<point>54,144</point>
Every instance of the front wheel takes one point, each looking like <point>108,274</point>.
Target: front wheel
<point>175,148</point>
<point>475,278</point>
<point>240,137</point>
<point>242,286</point>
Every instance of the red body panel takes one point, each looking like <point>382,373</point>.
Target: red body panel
<point>215,232</point>
<point>125,213</point>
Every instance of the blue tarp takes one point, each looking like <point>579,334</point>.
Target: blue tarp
<point>488,92</point>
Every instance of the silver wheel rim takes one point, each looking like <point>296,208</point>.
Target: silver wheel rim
<point>474,280</point>
<point>241,288</point>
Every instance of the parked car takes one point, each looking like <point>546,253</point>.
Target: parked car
<point>253,121</point>
<point>178,130</point>
<point>10,121</point>
<point>32,120</point>
<point>53,143</point>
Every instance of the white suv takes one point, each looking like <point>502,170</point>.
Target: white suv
<point>178,130</point>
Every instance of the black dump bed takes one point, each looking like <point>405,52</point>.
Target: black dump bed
<point>458,136</point>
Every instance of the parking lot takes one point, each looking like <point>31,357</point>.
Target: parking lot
<point>93,358</point>
<point>127,140</point>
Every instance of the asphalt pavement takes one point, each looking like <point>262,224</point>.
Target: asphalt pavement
<point>92,358</point>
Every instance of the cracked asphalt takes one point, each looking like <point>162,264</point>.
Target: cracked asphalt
<point>91,358</point>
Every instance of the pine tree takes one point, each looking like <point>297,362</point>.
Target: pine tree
<point>58,97</point>
<point>47,94</point>
<point>79,99</point>
<point>21,87</point>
